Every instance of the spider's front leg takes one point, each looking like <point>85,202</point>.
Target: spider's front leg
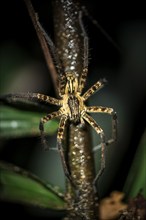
<point>99,131</point>
<point>35,97</point>
<point>112,113</point>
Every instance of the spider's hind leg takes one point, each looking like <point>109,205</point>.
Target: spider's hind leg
<point>112,113</point>
<point>114,129</point>
<point>60,139</point>
<point>41,126</point>
<point>99,131</point>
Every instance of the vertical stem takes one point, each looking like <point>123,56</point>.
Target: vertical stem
<point>68,35</point>
<point>82,201</point>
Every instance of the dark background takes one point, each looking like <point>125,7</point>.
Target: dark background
<point>125,71</point>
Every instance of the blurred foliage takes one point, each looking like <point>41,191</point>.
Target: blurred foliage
<point>12,59</point>
<point>136,180</point>
<point>15,123</point>
<point>18,185</point>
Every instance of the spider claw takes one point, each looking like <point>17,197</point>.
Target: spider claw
<point>104,81</point>
<point>45,145</point>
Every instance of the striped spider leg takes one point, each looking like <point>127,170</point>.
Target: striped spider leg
<point>99,109</point>
<point>91,121</point>
<point>95,109</point>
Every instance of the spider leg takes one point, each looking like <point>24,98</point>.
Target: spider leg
<point>61,84</point>
<point>82,79</point>
<point>13,98</point>
<point>48,99</point>
<point>96,87</point>
<point>41,126</point>
<point>99,131</point>
<point>58,64</point>
<point>52,47</point>
<point>85,56</point>
<point>110,111</point>
<point>60,137</point>
<point>43,41</point>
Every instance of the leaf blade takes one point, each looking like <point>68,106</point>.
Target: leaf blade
<point>18,123</point>
<point>17,185</point>
<point>136,180</point>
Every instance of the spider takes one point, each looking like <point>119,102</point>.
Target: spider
<point>72,102</point>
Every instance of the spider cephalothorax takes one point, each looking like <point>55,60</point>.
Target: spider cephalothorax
<point>72,102</point>
<point>74,108</point>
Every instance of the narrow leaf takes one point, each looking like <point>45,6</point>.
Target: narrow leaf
<point>136,180</point>
<point>18,123</point>
<point>18,185</point>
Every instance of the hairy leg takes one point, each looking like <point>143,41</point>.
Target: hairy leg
<point>37,97</point>
<point>99,131</point>
<point>60,137</point>
<point>96,87</point>
<point>41,126</point>
<point>110,111</point>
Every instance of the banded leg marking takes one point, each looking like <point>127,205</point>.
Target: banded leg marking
<point>110,111</point>
<point>83,79</point>
<point>49,99</point>
<point>61,128</point>
<point>60,136</point>
<point>99,131</point>
<point>31,97</point>
<point>96,87</point>
<point>99,109</point>
<point>41,126</point>
<point>61,84</point>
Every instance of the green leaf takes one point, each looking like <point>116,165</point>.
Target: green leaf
<point>136,180</point>
<point>17,185</point>
<point>18,123</point>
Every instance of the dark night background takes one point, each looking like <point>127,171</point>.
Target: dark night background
<point>125,71</point>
